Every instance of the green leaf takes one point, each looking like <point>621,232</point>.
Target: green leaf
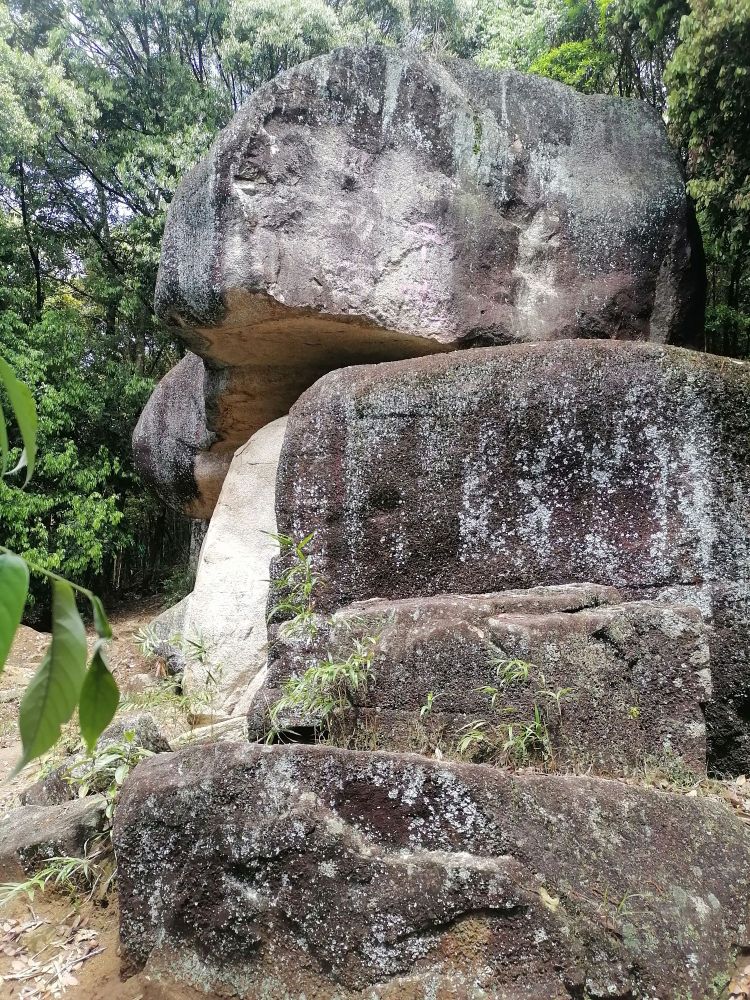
<point>101,623</point>
<point>53,692</point>
<point>14,585</point>
<point>24,410</point>
<point>100,697</point>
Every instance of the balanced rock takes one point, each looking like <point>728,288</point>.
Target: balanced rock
<point>592,682</point>
<point>304,871</point>
<point>623,464</point>
<point>371,205</point>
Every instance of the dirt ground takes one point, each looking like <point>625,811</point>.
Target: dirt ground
<point>53,947</point>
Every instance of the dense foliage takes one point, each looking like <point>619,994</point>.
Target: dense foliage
<point>104,104</point>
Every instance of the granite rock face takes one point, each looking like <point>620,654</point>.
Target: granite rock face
<point>630,677</point>
<point>626,465</point>
<point>298,871</point>
<point>623,464</point>
<point>371,205</point>
<point>383,189</point>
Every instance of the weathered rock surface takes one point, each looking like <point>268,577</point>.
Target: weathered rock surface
<point>624,464</point>
<point>371,205</point>
<point>57,786</point>
<point>531,212</point>
<point>725,606</point>
<point>633,675</point>
<point>298,871</point>
<point>31,834</point>
<point>171,442</point>
<point>226,612</point>
<point>138,728</point>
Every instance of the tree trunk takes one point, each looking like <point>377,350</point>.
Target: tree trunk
<point>33,249</point>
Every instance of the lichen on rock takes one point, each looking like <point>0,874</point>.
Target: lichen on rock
<point>292,871</point>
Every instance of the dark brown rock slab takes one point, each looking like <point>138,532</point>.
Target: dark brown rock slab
<point>618,685</point>
<point>627,465</point>
<point>289,871</point>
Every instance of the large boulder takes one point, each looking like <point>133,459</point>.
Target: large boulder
<point>303,871</point>
<point>622,464</point>
<point>531,212</point>
<point>371,205</point>
<point>613,685</point>
<point>225,615</point>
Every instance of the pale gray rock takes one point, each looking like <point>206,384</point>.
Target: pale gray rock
<point>225,615</point>
<point>140,729</point>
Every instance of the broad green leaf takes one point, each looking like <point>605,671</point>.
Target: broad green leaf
<point>3,444</point>
<point>14,584</point>
<point>52,695</point>
<point>24,410</point>
<point>100,697</point>
<point>101,623</point>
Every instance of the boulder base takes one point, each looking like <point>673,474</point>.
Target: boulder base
<point>289,871</point>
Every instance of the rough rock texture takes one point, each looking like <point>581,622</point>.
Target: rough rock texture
<point>171,442</point>
<point>226,611</point>
<point>636,673</point>
<point>142,725</point>
<point>56,788</point>
<point>727,607</point>
<point>298,871</point>
<point>531,212</point>
<point>623,464</point>
<point>31,834</point>
<point>372,205</point>
<point>51,790</point>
